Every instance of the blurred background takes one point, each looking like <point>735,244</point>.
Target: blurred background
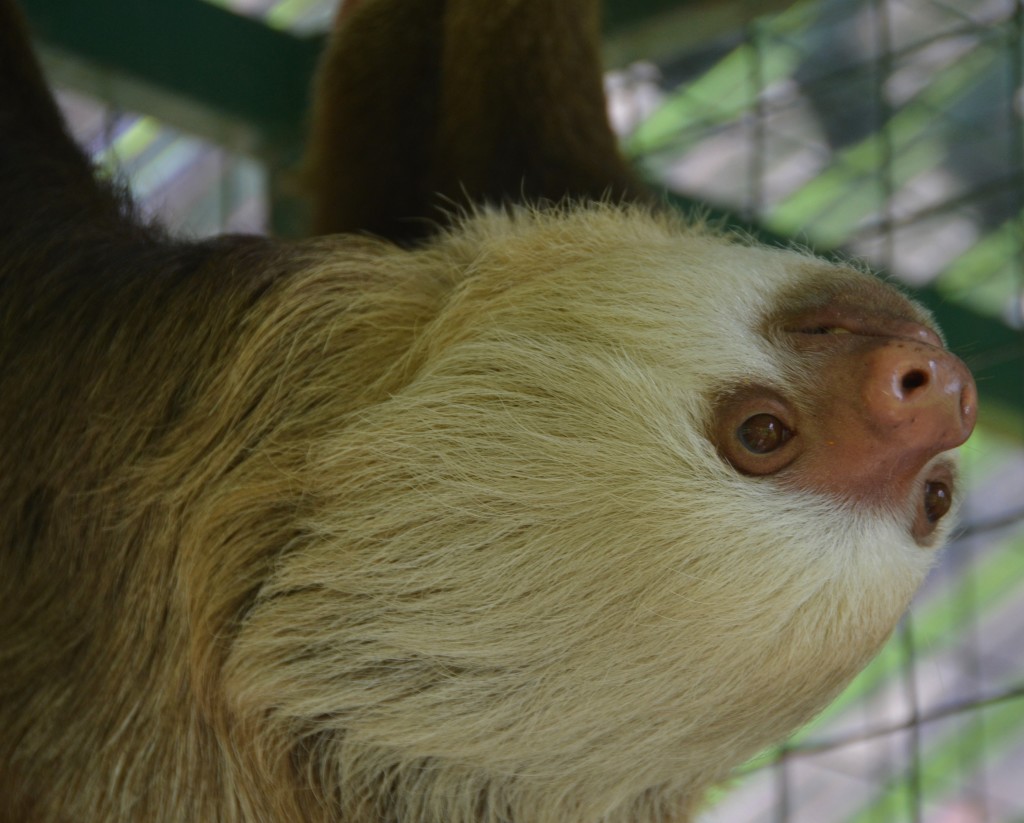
<point>890,130</point>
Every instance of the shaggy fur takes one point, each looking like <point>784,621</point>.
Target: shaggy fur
<point>431,536</point>
<point>334,531</point>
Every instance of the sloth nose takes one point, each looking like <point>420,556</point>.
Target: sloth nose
<point>921,394</point>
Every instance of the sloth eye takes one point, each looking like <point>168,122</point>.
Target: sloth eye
<point>937,500</point>
<point>763,433</point>
<point>824,330</point>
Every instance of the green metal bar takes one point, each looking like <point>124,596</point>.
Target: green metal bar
<point>205,54</point>
<point>619,14</point>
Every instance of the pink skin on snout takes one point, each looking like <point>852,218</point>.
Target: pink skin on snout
<point>888,398</point>
<point>881,397</point>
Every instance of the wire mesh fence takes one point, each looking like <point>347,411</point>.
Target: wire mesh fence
<point>890,129</point>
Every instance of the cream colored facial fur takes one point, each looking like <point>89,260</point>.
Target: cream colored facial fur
<point>530,575</point>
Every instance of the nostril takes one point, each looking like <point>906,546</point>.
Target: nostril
<point>914,379</point>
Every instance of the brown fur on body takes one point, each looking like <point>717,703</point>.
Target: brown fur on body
<point>496,105</point>
<point>333,531</point>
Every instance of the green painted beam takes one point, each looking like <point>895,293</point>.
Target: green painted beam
<point>258,76</point>
<point>662,29</point>
<point>993,350</point>
<point>206,55</point>
<point>619,14</point>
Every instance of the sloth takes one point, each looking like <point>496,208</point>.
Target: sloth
<point>516,498</point>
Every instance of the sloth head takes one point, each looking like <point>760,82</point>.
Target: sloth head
<point>634,501</point>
